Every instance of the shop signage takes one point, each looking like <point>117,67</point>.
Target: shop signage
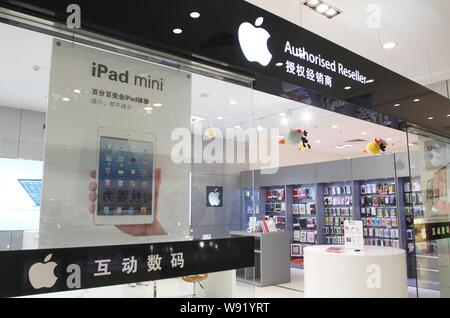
<point>353,235</point>
<point>53,270</point>
<point>431,231</point>
<point>214,197</point>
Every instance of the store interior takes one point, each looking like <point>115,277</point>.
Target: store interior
<point>309,197</point>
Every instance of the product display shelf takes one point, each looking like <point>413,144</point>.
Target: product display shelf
<point>251,205</point>
<point>338,207</point>
<point>275,205</point>
<point>379,212</point>
<point>304,218</point>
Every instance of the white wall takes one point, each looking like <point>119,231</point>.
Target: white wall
<point>17,209</point>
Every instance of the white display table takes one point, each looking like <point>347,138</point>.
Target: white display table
<point>376,272</point>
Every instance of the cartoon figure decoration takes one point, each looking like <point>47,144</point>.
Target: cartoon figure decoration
<point>376,147</point>
<point>299,138</point>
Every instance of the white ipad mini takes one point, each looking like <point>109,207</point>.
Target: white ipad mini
<point>125,177</point>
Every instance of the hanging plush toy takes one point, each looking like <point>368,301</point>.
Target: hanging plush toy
<point>299,138</point>
<point>376,147</point>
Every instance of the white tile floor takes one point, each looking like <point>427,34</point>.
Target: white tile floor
<point>177,288</point>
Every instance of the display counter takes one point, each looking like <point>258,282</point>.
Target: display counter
<point>375,272</point>
<point>272,257</point>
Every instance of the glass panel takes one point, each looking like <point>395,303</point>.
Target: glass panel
<point>100,148</point>
<point>429,155</point>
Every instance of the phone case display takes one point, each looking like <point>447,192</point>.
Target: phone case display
<point>338,208</point>
<point>379,213</point>
<point>275,206</point>
<point>413,209</point>
<point>304,215</point>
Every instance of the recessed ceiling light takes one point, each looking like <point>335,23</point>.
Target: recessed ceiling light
<point>220,118</point>
<point>397,105</point>
<point>279,64</point>
<point>312,3</point>
<point>66,99</point>
<point>237,127</point>
<point>335,126</point>
<point>306,116</point>
<point>322,8</point>
<point>448,115</point>
<point>389,45</point>
<point>157,105</point>
<point>285,121</point>
<point>389,139</point>
<point>364,133</point>
<point>318,141</point>
<point>416,100</point>
<point>260,128</point>
<point>370,81</point>
<point>77,91</point>
<point>348,87</point>
<point>195,15</point>
<point>148,108</point>
<point>177,31</point>
<point>338,147</point>
<point>331,12</point>
<point>430,118</point>
<point>233,102</point>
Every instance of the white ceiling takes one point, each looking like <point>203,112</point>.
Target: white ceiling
<point>420,27</point>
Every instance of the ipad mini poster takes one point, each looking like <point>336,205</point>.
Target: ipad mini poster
<point>108,174</point>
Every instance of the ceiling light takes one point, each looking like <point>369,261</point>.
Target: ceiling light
<point>416,100</point>
<point>312,3</point>
<point>331,12</point>
<point>364,133</point>
<point>430,118</point>
<point>237,127</point>
<point>285,121</point>
<point>306,116</point>
<point>195,15</point>
<point>77,91</point>
<point>397,105</point>
<point>260,128</point>
<point>322,8</point>
<point>389,45</point>
<point>148,108</point>
<point>318,141</point>
<point>157,105</point>
<point>338,147</point>
<point>389,139</point>
<point>148,111</point>
<point>233,102</point>
<point>335,126</point>
<point>370,81</point>
<point>279,64</point>
<point>348,87</point>
<point>347,146</point>
<point>177,31</point>
<point>448,115</point>
<point>66,99</point>
<point>411,145</point>
<point>220,118</point>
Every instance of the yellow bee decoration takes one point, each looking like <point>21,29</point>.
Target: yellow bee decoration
<point>376,147</point>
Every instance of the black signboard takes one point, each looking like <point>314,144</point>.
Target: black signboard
<point>284,58</point>
<point>52,270</point>
<point>431,231</point>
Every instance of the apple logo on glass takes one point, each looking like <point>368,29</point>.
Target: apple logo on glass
<point>214,196</point>
<point>41,275</point>
<point>253,41</point>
